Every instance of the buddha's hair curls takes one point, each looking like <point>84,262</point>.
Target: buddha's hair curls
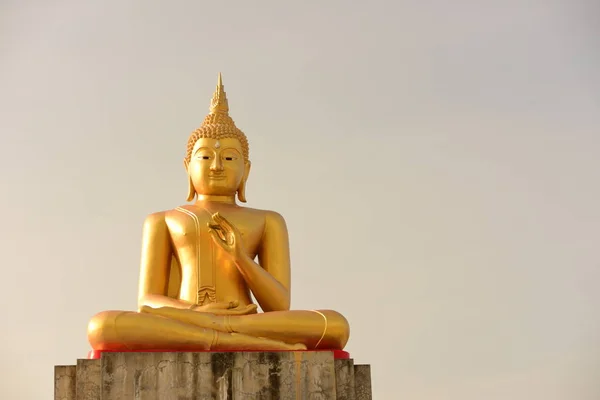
<point>218,126</point>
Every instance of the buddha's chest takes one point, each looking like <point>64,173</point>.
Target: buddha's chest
<point>191,236</point>
<point>208,273</point>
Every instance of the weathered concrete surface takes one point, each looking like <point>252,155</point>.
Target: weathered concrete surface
<point>223,376</point>
<point>286,375</point>
<point>344,380</point>
<point>166,376</point>
<point>362,382</point>
<point>89,380</point>
<point>64,382</point>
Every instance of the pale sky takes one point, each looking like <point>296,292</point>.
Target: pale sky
<point>437,163</point>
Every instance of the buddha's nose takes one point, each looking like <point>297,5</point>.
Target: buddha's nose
<point>217,164</point>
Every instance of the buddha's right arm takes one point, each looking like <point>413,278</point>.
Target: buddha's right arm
<point>155,265</point>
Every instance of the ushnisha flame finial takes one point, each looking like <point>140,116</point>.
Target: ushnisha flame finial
<point>219,104</point>
<point>218,124</point>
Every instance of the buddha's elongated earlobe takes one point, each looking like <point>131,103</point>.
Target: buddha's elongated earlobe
<point>191,191</point>
<point>241,192</point>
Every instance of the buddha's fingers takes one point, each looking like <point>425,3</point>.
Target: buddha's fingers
<point>218,238</point>
<point>226,308</point>
<point>245,310</point>
<point>249,309</point>
<point>224,305</point>
<point>218,230</point>
<point>223,222</point>
<point>216,221</point>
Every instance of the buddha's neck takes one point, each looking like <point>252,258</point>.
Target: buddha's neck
<point>207,198</point>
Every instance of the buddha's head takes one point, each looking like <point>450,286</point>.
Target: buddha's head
<point>217,161</point>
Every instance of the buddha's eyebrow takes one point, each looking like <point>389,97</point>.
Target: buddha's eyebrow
<point>201,148</point>
<point>231,149</point>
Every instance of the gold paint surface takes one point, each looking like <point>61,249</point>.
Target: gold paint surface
<point>200,263</point>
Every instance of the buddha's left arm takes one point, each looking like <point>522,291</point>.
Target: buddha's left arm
<point>270,281</point>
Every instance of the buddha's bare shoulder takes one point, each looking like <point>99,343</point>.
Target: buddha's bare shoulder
<point>270,217</point>
<point>162,217</point>
<point>155,219</point>
<point>164,221</point>
<point>261,212</point>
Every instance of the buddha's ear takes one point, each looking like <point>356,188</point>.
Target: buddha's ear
<point>241,192</point>
<point>191,191</point>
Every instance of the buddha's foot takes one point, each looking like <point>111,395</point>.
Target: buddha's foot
<point>298,346</point>
<point>245,342</point>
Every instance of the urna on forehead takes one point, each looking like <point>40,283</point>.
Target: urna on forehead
<point>218,125</point>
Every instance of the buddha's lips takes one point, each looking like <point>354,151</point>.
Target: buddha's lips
<point>217,176</point>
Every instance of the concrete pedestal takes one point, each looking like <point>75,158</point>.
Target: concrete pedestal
<point>222,376</point>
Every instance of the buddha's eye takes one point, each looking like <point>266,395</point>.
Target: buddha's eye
<point>229,158</point>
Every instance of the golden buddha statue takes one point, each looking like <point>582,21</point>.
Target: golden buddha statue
<point>198,265</point>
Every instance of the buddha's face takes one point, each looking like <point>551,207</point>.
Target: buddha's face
<point>217,166</point>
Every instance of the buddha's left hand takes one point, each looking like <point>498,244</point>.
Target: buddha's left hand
<point>226,308</point>
<point>227,236</point>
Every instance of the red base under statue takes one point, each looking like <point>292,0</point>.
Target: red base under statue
<point>96,354</point>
